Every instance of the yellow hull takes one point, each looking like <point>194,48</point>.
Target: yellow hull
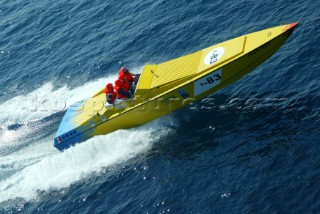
<point>168,86</point>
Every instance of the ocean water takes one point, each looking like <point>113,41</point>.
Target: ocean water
<point>256,151</point>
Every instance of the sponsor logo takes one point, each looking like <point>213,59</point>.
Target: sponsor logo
<point>103,118</point>
<point>183,93</point>
<point>214,56</point>
<point>207,82</point>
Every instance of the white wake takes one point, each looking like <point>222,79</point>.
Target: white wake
<point>40,167</point>
<point>46,100</point>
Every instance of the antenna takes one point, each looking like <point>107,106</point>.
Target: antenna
<point>154,73</point>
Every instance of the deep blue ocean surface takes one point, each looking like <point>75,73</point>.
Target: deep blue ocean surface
<point>256,151</point>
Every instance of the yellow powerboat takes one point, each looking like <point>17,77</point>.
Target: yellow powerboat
<point>166,87</point>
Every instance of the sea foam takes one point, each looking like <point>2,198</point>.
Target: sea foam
<point>47,100</point>
<point>41,168</point>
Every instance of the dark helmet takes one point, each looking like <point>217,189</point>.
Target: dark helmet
<point>124,69</point>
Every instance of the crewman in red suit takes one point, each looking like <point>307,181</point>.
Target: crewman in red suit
<point>122,89</point>
<point>110,93</point>
<point>126,76</point>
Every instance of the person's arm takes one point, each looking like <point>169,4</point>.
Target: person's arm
<point>109,98</point>
<point>124,93</point>
<point>129,77</point>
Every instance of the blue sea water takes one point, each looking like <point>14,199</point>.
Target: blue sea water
<point>256,151</point>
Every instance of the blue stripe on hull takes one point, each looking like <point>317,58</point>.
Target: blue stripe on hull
<point>70,133</point>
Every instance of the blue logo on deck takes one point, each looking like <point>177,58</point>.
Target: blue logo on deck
<point>183,93</point>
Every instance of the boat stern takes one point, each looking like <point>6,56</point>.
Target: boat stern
<point>70,132</point>
<point>68,139</point>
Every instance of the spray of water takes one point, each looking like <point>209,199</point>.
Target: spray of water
<point>45,101</point>
<point>42,168</point>
<point>39,167</point>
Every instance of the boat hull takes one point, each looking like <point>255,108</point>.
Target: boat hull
<point>219,66</point>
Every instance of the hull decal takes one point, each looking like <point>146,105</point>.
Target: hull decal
<point>207,82</point>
